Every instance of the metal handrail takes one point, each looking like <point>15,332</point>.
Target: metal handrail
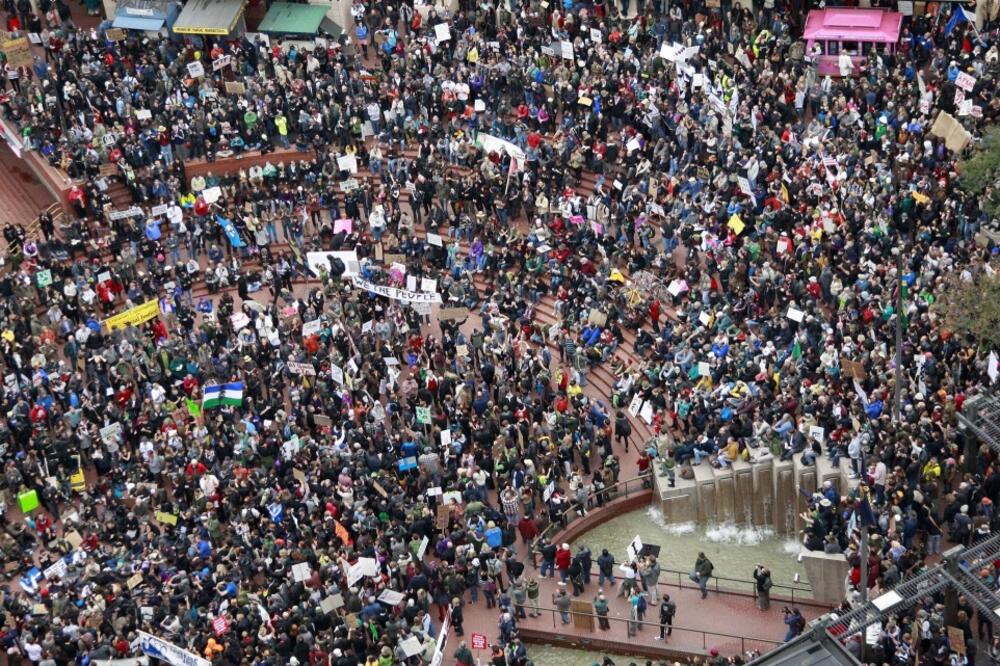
<point>714,585</point>
<point>575,505</point>
<point>765,643</point>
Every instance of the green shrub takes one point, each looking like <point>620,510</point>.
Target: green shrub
<point>979,173</point>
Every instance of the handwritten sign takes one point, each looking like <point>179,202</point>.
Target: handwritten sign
<point>115,35</point>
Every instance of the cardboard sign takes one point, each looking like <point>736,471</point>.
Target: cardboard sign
<point>18,51</point>
<point>134,581</point>
<point>453,314</point>
<point>73,538</point>
<point>597,318</point>
<point>443,516</point>
<point>115,34</point>
<point>106,170</point>
<point>853,369</point>
<point>235,88</point>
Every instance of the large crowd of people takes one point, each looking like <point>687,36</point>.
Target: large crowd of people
<point>728,232</point>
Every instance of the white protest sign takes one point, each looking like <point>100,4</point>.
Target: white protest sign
<point>211,194</point>
<point>391,597</point>
<point>195,69</point>
<point>635,405</point>
<point>348,163</point>
<point>442,33</point>
<point>965,81</point>
<point>301,572</point>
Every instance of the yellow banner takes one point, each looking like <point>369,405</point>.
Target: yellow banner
<point>140,314</point>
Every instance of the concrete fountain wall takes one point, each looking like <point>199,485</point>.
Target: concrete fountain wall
<point>763,494</point>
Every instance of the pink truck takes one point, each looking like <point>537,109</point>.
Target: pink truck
<point>850,32</point>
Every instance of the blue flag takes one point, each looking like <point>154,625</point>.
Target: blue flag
<point>866,517</point>
<point>960,15</point>
<point>231,233</point>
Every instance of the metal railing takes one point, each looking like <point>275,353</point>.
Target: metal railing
<point>737,586</point>
<point>620,630</point>
<point>607,494</point>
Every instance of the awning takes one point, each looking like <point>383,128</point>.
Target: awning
<point>209,17</point>
<point>138,23</point>
<point>293,19</point>
<point>331,28</point>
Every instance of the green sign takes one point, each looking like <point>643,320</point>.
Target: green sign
<point>43,278</point>
<point>424,415</point>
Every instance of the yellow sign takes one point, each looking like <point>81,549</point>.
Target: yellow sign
<point>921,198</point>
<point>168,518</point>
<point>736,224</point>
<point>78,481</point>
<point>140,314</point>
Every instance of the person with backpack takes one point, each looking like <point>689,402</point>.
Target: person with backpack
<point>703,568</point>
<point>531,589</point>
<point>623,429</point>
<point>796,623</point>
<point>601,608</point>
<point>762,576</point>
<point>463,655</point>
<point>667,611</point>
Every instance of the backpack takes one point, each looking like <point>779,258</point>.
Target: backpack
<point>800,624</point>
<point>641,606</point>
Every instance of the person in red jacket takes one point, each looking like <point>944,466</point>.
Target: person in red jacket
<point>564,556</point>
<point>654,314</point>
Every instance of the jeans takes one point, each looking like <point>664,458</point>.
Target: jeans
<point>601,577</point>
<point>565,616</point>
<point>702,583</point>
<point>563,575</point>
<point>548,565</point>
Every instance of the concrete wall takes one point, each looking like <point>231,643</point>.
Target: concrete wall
<point>827,575</point>
<point>768,493</point>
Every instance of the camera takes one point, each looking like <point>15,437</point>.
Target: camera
<point>785,610</point>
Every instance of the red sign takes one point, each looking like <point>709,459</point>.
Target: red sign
<point>478,641</point>
<point>220,625</point>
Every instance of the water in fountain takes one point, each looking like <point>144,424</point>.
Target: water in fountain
<point>730,547</point>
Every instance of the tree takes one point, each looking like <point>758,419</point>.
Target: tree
<point>980,173</point>
<point>972,309</point>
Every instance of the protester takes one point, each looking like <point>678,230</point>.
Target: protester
<point>609,183</point>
